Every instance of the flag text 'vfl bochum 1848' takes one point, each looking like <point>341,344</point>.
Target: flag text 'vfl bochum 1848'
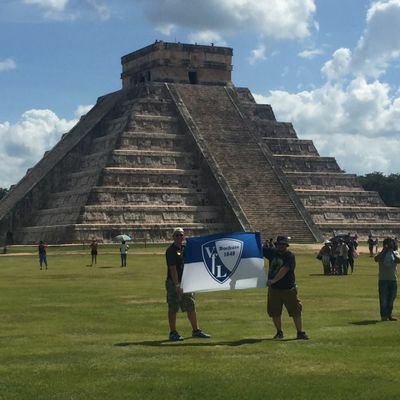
<point>224,261</point>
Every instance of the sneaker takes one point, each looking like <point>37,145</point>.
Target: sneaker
<point>384,319</point>
<point>198,333</point>
<point>392,319</point>
<point>174,336</point>
<point>302,336</point>
<point>279,335</point>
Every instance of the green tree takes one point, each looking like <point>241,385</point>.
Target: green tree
<point>3,192</point>
<point>388,187</point>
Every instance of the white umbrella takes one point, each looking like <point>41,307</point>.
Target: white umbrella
<point>121,238</point>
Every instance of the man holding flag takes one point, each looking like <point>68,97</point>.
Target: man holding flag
<point>176,299</point>
<point>282,290</point>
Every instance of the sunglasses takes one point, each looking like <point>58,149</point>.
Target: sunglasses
<point>178,235</point>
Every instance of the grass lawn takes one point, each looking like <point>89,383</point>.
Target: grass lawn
<point>79,332</point>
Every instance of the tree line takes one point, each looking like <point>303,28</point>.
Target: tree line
<point>388,187</point>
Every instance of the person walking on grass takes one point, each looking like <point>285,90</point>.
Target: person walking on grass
<point>42,249</point>
<point>123,249</point>
<point>388,259</point>
<point>282,289</point>
<point>176,299</point>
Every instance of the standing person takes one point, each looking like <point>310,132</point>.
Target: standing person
<point>176,299</point>
<point>325,256</point>
<point>388,259</point>
<point>371,244</point>
<point>123,249</point>
<point>93,251</point>
<point>42,248</point>
<point>282,289</point>
<point>376,245</point>
<point>342,254</point>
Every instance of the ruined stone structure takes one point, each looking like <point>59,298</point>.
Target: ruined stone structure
<point>180,145</point>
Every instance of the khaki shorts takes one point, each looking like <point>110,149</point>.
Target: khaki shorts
<point>184,302</point>
<point>285,297</point>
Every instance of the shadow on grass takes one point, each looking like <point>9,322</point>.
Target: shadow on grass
<point>189,342</point>
<point>365,322</point>
<point>106,266</point>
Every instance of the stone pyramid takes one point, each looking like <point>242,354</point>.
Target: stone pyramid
<point>180,145</point>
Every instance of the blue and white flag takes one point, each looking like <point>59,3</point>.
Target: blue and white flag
<point>225,261</point>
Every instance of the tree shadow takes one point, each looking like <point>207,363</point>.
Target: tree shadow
<point>365,322</point>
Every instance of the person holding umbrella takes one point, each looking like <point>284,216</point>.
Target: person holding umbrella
<point>123,249</point>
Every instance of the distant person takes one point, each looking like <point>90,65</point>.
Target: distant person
<point>376,245</point>
<point>325,256</point>
<point>371,244</point>
<point>342,256</point>
<point>353,244</point>
<point>42,249</point>
<point>176,299</point>
<point>388,259</point>
<point>93,251</point>
<point>282,289</point>
<point>123,249</point>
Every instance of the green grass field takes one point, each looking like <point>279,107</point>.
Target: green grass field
<point>80,332</point>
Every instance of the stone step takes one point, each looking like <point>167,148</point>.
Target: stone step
<point>306,163</point>
<point>323,180</point>
<point>153,123</point>
<point>274,129</point>
<point>149,195</point>
<point>148,177</point>
<point>155,141</point>
<point>149,214</point>
<point>291,146</point>
<point>152,159</point>
<point>349,198</point>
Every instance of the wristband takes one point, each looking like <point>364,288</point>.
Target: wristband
<point>178,285</point>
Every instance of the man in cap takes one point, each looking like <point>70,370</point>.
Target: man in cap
<point>176,299</point>
<point>282,290</point>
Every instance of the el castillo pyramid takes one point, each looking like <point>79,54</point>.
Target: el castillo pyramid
<point>180,145</point>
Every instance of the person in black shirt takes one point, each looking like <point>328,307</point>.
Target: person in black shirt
<point>176,299</point>
<point>282,290</point>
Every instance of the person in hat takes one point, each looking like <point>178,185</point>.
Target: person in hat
<point>176,299</point>
<point>282,290</point>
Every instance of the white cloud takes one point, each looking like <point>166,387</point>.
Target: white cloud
<point>22,144</point>
<point>7,65</point>
<point>82,110</point>
<point>207,37</point>
<point>376,49</point>
<point>71,10</point>
<point>339,65</point>
<point>310,54</point>
<point>257,54</point>
<point>358,123</point>
<point>354,116</point>
<point>56,5</point>
<point>290,19</point>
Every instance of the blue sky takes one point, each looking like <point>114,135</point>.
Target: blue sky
<point>329,66</point>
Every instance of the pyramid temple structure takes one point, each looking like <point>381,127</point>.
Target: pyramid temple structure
<point>180,145</point>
